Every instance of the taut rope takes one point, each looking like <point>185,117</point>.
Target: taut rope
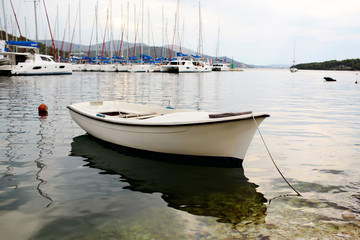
<point>257,126</point>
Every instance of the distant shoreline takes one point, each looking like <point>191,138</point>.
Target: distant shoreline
<point>344,65</point>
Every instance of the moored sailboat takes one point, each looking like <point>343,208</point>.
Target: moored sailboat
<point>219,64</point>
<point>293,68</point>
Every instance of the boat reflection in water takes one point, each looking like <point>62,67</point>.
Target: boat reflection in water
<point>221,192</point>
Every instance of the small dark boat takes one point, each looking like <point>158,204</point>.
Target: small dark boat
<point>329,79</point>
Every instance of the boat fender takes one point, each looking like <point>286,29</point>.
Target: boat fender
<point>231,114</point>
<point>43,110</point>
<point>100,115</point>
<point>42,107</point>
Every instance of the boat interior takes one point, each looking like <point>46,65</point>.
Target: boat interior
<point>122,114</point>
<point>146,115</point>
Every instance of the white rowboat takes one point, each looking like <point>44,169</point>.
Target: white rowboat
<point>165,130</point>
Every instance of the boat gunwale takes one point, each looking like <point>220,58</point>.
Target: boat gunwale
<point>213,121</point>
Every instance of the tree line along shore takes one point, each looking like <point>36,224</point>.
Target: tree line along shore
<point>348,64</point>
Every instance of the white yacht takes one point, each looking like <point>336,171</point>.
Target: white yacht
<point>122,67</point>
<point>77,67</point>
<point>220,66</point>
<point>30,62</point>
<point>204,66</point>
<point>78,64</point>
<point>109,67</point>
<point>140,68</point>
<point>182,65</point>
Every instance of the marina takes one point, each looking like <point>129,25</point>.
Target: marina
<point>57,182</point>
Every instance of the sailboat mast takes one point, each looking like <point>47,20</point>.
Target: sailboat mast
<point>92,31</point>
<point>162,40</point>
<point>167,39</point>
<point>127,30</point>
<point>5,30</point>
<point>72,36</point>
<point>122,32</point>
<point>80,31</point>
<point>134,50</point>
<point>149,30</point>
<point>111,34</point>
<point>178,28</point>
<point>182,35</point>
<point>174,34</point>
<point>199,43</point>
<point>12,29</point>
<point>96,20</point>
<point>17,22</point>
<point>52,39</point>
<point>26,29</point>
<point>58,29</point>
<point>69,21</point>
<point>217,46</point>
<point>36,29</point>
<point>62,44</point>
<point>142,31</point>
<point>200,50</point>
<point>152,34</point>
<point>136,33</point>
<point>294,53</point>
<point>106,26</point>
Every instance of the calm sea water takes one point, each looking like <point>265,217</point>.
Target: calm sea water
<point>59,183</point>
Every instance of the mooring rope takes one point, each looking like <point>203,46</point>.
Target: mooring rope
<point>272,159</point>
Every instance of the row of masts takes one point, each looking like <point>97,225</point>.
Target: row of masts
<point>177,38</point>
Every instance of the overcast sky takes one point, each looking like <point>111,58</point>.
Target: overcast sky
<point>260,32</point>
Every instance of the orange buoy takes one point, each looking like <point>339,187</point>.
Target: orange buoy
<point>43,108</point>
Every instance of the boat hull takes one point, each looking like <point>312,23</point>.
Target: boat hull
<point>108,68</point>
<point>79,67</point>
<point>225,139</point>
<point>39,69</point>
<point>122,68</point>
<point>220,68</point>
<point>182,69</point>
<point>293,69</point>
<point>140,68</point>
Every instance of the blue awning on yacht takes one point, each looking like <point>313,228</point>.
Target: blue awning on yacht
<point>25,44</point>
